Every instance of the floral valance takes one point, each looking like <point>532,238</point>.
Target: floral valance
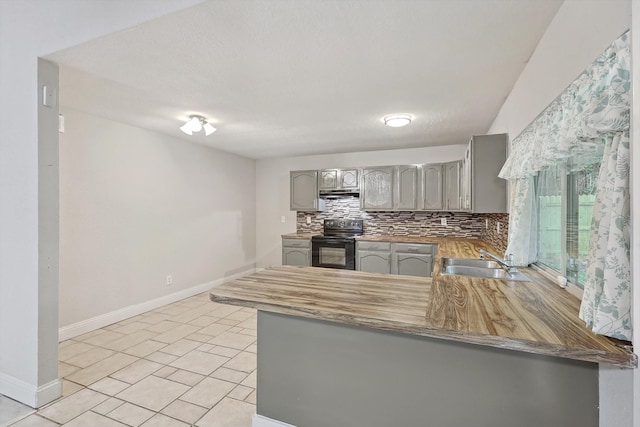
<point>573,124</point>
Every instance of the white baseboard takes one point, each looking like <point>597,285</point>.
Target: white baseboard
<point>82,327</point>
<point>29,394</point>
<point>261,421</point>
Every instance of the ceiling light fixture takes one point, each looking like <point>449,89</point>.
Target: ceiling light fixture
<point>196,124</point>
<point>397,120</point>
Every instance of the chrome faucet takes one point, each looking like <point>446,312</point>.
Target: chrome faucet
<point>506,263</point>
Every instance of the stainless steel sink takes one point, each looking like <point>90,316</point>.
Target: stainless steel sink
<point>470,262</point>
<point>478,268</point>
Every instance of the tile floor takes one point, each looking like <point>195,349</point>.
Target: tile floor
<point>190,363</point>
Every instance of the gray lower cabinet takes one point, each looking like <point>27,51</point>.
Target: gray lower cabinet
<point>410,259</point>
<point>296,252</point>
<point>373,257</point>
<point>412,264</point>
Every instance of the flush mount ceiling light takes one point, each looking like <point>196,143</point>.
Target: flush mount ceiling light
<point>196,124</point>
<point>397,120</point>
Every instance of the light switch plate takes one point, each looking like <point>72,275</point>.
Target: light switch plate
<point>49,96</point>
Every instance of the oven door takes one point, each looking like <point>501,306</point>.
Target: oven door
<point>333,253</point>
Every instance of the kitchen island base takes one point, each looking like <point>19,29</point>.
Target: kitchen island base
<point>314,373</point>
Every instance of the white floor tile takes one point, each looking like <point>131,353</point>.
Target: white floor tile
<point>11,410</point>
<point>34,421</point>
<point>208,392</point>
<point>91,419</point>
<point>160,420</point>
<point>136,371</point>
<point>229,413</point>
<point>153,393</point>
<point>131,414</point>
<point>199,362</point>
<point>70,407</point>
<point>184,411</point>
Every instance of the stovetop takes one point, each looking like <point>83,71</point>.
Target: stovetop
<point>341,229</point>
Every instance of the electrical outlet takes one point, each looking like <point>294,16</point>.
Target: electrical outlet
<point>308,220</point>
<point>443,221</point>
<point>283,219</point>
<point>169,280</point>
<point>498,228</point>
<point>486,223</point>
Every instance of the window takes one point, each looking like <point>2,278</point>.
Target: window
<point>565,196</point>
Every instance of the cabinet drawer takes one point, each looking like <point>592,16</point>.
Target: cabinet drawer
<point>296,243</point>
<point>414,248</point>
<point>374,246</point>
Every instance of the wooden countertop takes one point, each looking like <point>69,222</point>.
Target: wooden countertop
<point>536,317</point>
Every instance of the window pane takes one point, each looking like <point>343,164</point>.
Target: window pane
<point>549,191</point>
<point>581,194</point>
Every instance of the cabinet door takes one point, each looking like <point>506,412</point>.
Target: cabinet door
<point>452,185</point>
<point>377,188</point>
<point>406,189</point>
<point>412,264</point>
<point>304,190</point>
<point>296,256</point>
<point>374,262</point>
<point>432,186</point>
<point>488,191</point>
<point>329,179</point>
<point>349,179</point>
<point>466,180</point>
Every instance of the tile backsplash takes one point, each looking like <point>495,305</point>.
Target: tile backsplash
<point>426,224</point>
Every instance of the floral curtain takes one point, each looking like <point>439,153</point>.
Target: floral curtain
<point>523,221</point>
<point>591,114</point>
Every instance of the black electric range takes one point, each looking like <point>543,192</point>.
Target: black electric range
<point>336,247</point>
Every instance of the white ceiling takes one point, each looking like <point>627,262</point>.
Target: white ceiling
<point>295,77</point>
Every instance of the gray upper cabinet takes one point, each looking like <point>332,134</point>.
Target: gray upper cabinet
<point>349,179</point>
<point>304,191</point>
<point>452,196</point>
<point>406,191</point>
<point>328,179</point>
<point>487,154</point>
<point>465,180</point>
<point>339,179</point>
<point>377,188</point>
<point>433,186</point>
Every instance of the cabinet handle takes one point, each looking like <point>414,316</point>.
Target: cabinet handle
<point>373,247</point>
<point>413,249</point>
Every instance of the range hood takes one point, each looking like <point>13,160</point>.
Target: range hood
<point>340,193</point>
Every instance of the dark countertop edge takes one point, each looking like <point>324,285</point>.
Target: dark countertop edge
<point>585,355</point>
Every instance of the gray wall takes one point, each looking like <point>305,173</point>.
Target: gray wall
<point>313,373</point>
<point>137,206</point>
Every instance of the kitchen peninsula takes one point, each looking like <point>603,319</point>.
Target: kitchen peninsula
<point>349,348</point>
